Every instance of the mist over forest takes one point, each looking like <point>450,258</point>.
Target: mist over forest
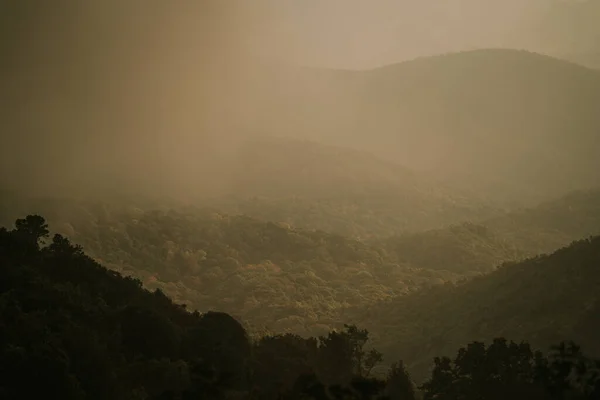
<point>300,199</point>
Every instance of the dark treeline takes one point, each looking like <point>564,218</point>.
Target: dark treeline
<point>71,329</point>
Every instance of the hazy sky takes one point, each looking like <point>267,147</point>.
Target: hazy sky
<point>359,33</point>
<point>85,82</point>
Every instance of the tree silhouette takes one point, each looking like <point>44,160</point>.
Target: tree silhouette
<point>399,384</point>
<point>32,229</point>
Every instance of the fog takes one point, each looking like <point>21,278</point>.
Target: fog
<point>99,95</point>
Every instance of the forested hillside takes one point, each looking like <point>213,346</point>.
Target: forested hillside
<point>540,300</point>
<point>84,332</point>
<point>513,236</point>
<point>313,186</point>
<point>270,274</point>
<point>459,248</point>
<point>193,206</point>
<point>282,278</point>
<point>340,190</point>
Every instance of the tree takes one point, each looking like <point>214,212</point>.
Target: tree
<point>499,371</point>
<point>293,355</point>
<point>342,356</point>
<point>62,246</point>
<point>399,385</point>
<point>222,342</point>
<point>32,229</point>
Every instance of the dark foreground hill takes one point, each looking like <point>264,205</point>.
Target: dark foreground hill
<point>73,330</point>
<point>277,276</point>
<point>538,300</point>
<point>272,275</point>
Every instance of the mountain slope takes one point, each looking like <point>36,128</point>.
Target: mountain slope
<point>271,275</point>
<point>459,248</point>
<point>538,300</point>
<point>511,237</point>
<point>518,125</point>
<point>337,189</point>
<point>312,186</point>
<point>512,125</point>
<point>86,332</point>
<point>550,225</point>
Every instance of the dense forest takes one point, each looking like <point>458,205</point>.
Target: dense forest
<point>539,299</point>
<point>187,213</point>
<point>84,332</point>
<point>280,278</point>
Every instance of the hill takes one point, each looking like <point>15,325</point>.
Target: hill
<point>508,125</point>
<point>590,60</point>
<point>84,332</point>
<point>311,186</point>
<point>340,190</point>
<point>459,248</point>
<point>552,224</point>
<point>537,300</point>
<point>280,277</point>
<point>511,237</point>
<point>273,276</point>
<point>515,125</point>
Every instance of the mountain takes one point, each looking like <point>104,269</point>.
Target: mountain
<point>308,185</point>
<point>86,332</point>
<point>515,125</point>
<point>83,331</point>
<point>460,248</point>
<point>341,190</point>
<point>552,224</point>
<point>280,277</point>
<point>511,237</point>
<point>271,275</point>
<point>537,300</point>
<point>588,59</point>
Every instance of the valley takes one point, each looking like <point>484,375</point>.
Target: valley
<point>184,215</point>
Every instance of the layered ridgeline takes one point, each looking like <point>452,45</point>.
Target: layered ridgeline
<point>512,125</point>
<point>84,332</point>
<point>282,278</point>
<point>314,186</point>
<point>272,275</point>
<point>516,125</point>
<point>336,189</point>
<point>538,300</point>
<point>516,235</point>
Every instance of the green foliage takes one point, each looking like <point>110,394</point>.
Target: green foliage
<point>274,276</point>
<point>460,248</point>
<point>543,300</point>
<point>84,332</point>
<point>504,370</point>
<point>511,237</point>
<point>280,278</point>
